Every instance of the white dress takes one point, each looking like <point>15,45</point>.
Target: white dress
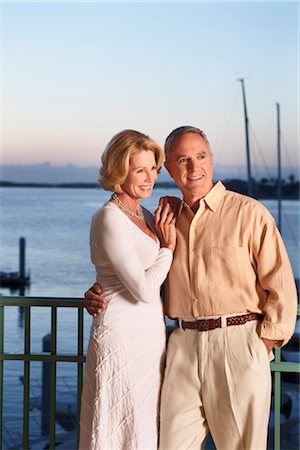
<point>120,398</point>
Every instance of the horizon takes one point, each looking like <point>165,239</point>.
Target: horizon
<point>148,66</point>
<point>46,172</point>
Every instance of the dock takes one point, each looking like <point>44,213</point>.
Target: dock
<point>17,279</point>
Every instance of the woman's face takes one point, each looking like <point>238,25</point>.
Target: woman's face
<point>141,176</point>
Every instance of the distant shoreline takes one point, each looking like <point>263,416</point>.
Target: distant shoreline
<point>264,189</point>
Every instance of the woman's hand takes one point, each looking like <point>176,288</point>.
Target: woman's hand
<point>165,226</point>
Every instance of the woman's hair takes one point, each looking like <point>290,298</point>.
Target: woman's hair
<point>117,154</point>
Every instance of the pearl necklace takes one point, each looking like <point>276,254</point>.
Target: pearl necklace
<point>123,207</point>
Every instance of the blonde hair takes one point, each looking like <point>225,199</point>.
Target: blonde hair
<point>117,154</point>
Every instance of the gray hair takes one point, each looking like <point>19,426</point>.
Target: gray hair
<point>179,132</point>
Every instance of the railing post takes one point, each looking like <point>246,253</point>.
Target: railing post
<point>80,325</point>
<point>26,394</point>
<point>52,411</point>
<point>46,387</point>
<point>1,370</point>
<point>277,402</point>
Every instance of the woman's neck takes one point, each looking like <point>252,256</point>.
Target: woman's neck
<point>132,203</point>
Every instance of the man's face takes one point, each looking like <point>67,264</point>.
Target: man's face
<point>189,163</point>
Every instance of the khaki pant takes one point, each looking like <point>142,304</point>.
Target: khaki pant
<point>217,381</point>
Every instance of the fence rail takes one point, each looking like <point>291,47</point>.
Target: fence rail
<point>27,303</point>
<point>278,366</point>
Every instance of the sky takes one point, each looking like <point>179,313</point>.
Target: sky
<point>75,73</point>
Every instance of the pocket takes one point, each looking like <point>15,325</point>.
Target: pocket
<point>226,270</point>
<point>263,352</point>
<point>270,355</point>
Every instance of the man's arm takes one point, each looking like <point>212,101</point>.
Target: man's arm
<point>93,302</point>
<point>276,278</point>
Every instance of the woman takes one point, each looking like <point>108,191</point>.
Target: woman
<point>119,409</point>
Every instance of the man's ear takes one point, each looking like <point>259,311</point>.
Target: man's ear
<point>168,168</point>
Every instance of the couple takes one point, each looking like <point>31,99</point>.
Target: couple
<point>230,286</point>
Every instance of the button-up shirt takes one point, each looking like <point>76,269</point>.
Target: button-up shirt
<point>230,258</point>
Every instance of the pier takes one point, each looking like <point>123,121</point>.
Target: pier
<point>17,279</point>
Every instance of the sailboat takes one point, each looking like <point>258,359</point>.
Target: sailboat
<point>290,397</point>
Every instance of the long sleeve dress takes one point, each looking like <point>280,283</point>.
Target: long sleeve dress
<point>120,398</point>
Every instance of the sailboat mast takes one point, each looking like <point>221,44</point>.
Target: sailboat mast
<point>279,180</point>
<point>250,190</point>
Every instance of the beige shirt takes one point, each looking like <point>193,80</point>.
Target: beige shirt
<point>230,258</point>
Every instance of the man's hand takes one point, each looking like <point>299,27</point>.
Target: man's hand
<point>270,344</point>
<point>93,301</point>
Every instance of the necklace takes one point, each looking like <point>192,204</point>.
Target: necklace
<point>123,207</point>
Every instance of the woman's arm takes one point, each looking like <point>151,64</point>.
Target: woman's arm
<point>111,237</point>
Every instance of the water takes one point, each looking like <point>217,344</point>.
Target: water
<point>55,223</point>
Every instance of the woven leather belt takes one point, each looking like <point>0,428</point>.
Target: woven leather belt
<point>212,324</point>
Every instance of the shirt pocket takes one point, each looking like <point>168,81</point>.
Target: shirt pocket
<point>228,272</point>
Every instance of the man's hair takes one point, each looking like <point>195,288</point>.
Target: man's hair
<point>179,132</point>
<point>117,156</point>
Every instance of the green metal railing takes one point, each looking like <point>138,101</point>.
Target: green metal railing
<point>278,367</point>
<point>27,303</point>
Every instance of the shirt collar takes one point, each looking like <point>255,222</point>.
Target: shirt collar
<point>211,199</point>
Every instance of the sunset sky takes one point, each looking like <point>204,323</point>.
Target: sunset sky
<point>75,73</point>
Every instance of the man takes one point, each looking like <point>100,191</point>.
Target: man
<point>232,290</point>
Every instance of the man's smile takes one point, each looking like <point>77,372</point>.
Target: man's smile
<point>195,178</point>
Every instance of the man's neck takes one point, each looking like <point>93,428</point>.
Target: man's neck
<point>193,205</point>
<point>193,200</point>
